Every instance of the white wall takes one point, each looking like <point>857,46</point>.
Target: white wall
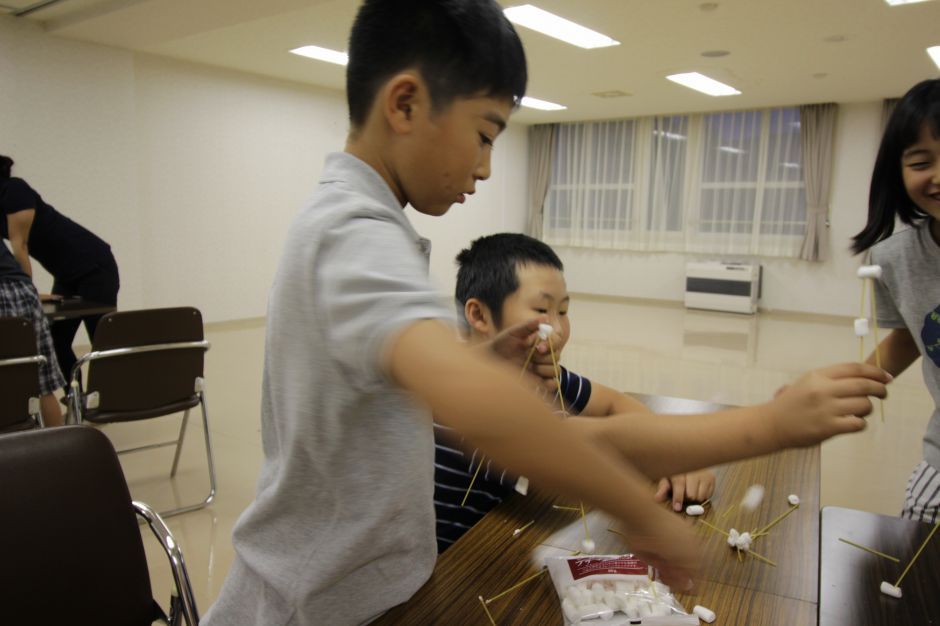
<point>193,173</point>
<point>829,287</point>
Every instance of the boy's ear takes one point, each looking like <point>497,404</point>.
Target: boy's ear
<point>478,316</point>
<point>400,98</point>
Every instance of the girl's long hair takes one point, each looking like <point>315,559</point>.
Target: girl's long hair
<point>887,197</point>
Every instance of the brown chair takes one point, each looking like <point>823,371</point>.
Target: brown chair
<point>19,375</point>
<point>71,543</point>
<point>145,364</point>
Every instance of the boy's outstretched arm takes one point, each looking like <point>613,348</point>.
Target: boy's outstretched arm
<point>821,404</point>
<point>697,485</point>
<point>480,397</point>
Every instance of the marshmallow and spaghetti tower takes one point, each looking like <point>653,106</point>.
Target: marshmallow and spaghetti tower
<point>868,274</point>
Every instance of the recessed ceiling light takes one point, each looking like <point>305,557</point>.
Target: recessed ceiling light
<point>558,27</point>
<point>731,150</point>
<point>542,105</point>
<point>700,82</point>
<point>714,54</point>
<point>895,3</point>
<point>322,54</point>
<point>612,93</point>
<point>934,52</point>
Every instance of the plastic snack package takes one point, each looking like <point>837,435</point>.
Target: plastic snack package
<point>614,590</point>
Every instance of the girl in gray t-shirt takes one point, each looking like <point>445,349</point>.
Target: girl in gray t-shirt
<point>905,185</point>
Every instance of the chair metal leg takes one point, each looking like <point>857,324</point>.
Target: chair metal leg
<point>209,461</point>
<point>184,601</point>
<point>179,443</point>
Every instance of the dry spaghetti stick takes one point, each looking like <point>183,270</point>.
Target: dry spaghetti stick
<point>528,359</point>
<point>483,603</point>
<point>565,508</point>
<point>616,532</point>
<point>715,528</point>
<point>762,558</point>
<point>763,531</point>
<point>731,508</point>
<point>472,480</point>
<point>587,535</point>
<point>874,319</point>
<point>919,550</point>
<point>516,586</point>
<point>872,550</point>
<point>861,314</point>
<point>561,399</point>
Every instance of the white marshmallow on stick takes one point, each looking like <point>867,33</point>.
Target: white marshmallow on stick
<point>695,510</point>
<point>545,330</point>
<point>869,271</point>
<point>793,499</point>
<point>861,327</point>
<point>890,590</point>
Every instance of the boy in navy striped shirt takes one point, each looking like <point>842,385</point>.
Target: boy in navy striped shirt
<point>503,280</point>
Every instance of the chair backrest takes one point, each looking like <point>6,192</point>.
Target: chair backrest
<point>71,546</point>
<point>18,382</point>
<point>142,381</point>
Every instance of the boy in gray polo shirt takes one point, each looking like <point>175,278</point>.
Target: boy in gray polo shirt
<point>360,351</point>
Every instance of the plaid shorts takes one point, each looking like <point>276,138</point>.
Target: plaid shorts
<point>20,299</point>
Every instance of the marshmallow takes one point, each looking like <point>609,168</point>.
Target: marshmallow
<point>861,327</point>
<point>744,542</point>
<point>890,590</point>
<point>570,610</point>
<point>522,485</point>
<point>590,611</point>
<point>733,538</point>
<point>706,615</point>
<point>752,497</point>
<point>587,546</point>
<point>545,330</point>
<point>793,499</point>
<point>869,271</point>
<point>695,509</point>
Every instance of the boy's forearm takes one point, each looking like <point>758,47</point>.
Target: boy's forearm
<point>481,399</point>
<point>693,441</point>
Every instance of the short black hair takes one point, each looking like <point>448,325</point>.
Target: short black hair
<point>6,164</point>
<point>488,269</point>
<point>460,47</point>
<point>887,197</point>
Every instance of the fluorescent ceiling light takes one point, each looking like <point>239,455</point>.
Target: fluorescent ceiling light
<point>558,27</point>
<point>790,166</point>
<point>322,54</point>
<point>934,52</point>
<point>895,3</point>
<point>700,82</point>
<point>544,105</point>
<point>731,150</point>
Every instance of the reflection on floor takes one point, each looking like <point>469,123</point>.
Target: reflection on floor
<point>644,347</point>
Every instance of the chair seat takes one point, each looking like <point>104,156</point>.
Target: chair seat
<point>110,417</point>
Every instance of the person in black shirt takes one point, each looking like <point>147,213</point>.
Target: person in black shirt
<point>80,262</point>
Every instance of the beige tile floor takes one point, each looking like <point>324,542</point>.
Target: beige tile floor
<point>651,348</point>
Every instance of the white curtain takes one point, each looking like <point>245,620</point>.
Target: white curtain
<point>817,133</point>
<point>728,183</point>
<point>540,170</point>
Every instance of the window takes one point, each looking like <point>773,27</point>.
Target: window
<point>719,182</point>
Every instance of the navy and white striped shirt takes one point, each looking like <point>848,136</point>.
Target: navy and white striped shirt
<point>454,468</point>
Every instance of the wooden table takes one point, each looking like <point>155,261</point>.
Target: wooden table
<point>850,578</point>
<point>70,308</point>
<point>488,559</point>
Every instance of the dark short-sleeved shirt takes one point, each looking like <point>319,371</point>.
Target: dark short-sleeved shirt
<point>9,267</point>
<point>454,469</point>
<point>65,249</point>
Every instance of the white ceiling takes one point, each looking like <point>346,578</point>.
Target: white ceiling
<point>781,52</point>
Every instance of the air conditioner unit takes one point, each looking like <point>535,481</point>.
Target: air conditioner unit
<point>733,287</point>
